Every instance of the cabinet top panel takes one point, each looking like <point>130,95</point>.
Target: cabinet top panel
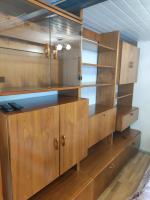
<point>29,22</point>
<point>36,103</point>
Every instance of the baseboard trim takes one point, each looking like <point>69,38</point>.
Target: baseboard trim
<point>143,151</point>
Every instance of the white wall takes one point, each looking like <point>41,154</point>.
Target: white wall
<point>142,95</point>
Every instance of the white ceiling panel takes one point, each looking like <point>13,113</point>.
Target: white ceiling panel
<point>130,17</point>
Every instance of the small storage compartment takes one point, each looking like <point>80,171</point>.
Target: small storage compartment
<point>101,125</point>
<point>125,117</point>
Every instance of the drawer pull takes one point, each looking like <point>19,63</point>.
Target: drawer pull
<point>131,114</point>
<point>63,140</point>
<point>56,144</point>
<point>131,65</point>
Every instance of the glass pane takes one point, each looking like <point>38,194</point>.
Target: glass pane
<point>89,73</point>
<point>66,51</point>
<point>24,32</point>
<point>31,38</point>
<point>89,93</point>
<point>89,52</point>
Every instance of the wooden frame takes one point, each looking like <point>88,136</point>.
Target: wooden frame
<point>107,67</point>
<point>56,10</point>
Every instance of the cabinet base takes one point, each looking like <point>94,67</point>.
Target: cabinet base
<point>96,171</point>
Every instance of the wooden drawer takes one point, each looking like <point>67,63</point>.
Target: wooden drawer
<point>107,175</point>
<point>101,125</point>
<point>124,121</point>
<point>135,146</point>
<point>86,193</point>
<point>102,181</point>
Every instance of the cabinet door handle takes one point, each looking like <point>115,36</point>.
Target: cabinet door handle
<point>63,140</point>
<point>131,64</point>
<point>131,114</point>
<point>56,143</point>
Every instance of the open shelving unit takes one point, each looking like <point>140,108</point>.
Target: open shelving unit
<point>99,65</point>
<point>105,46</point>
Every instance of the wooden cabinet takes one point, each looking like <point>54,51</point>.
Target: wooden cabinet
<point>125,117</point>
<point>73,134</point>
<point>1,192</point>
<point>129,55</point>
<point>41,144</point>
<point>34,152</point>
<point>96,171</point>
<point>101,125</point>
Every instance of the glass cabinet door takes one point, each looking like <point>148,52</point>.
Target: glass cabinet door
<point>38,48</point>
<point>66,45</point>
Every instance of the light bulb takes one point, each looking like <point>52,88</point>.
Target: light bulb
<point>59,47</point>
<point>68,47</point>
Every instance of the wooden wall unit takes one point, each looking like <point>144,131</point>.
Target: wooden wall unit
<point>44,141</point>
<point>39,145</point>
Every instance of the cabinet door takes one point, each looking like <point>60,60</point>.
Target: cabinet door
<point>73,133</point>
<point>101,125</point>
<point>1,193</point>
<point>129,63</point>
<point>34,150</point>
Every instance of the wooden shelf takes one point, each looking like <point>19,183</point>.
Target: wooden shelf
<point>97,65</point>
<point>33,103</point>
<point>124,96</point>
<point>95,85</point>
<point>105,48</point>
<point>14,91</point>
<point>97,108</point>
<point>73,184</point>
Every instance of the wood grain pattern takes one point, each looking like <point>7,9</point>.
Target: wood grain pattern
<point>125,117</point>
<point>57,10</point>
<point>101,125</point>
<point>5,162</point>
<point>1,190</point>
<point>34,158</point>
<point>110,57</point>
<point>73,133</point>
<point>129,63</point>
<point>75,185</point>
<point>32,69</point>
<point>90,35</point>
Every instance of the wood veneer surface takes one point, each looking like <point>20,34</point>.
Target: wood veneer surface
<point>72,183</point>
